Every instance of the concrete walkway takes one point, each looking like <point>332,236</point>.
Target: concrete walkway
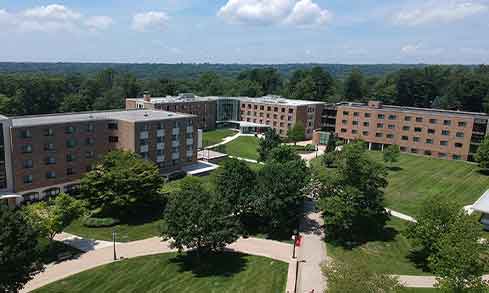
<point>225,140</point>
<point>80,243</point>
<point>104,255</point>
<point>312,252</point>
<point>401,216</point>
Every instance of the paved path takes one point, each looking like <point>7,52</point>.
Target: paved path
<point>401,216</point>
<point>312,252</point>
<point>80,243</point>
<point>104,255</point>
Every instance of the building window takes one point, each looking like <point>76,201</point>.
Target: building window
<point>70,171</point>
<point>419,119</point>
<point>112,125</point>
<point>27,149</point>
<point>391,126</point>
<point>49,147</point>
<point>433,121</point>
<point>366,124</point>
<point>442,155</point>
<point>431,131</point>
<point>418,129</point>
<point>50,161</point>
<point>28,164</point>
<point>392,117</point>
<point>27,179</point>
<point>367,115</point>
<point>445,132</point>
<point>26,133</point>
<point>380,125</point>
<point>71,143</point>
<point>48,132</point>
<point>429,141</point>
<point>459,145</point>
<point>344,122</point>
<point>407,118</point>
<point>405,137</point>
<point>346,113</point>
<point>143,142</point>
<point>414,151</point>
<point>444,143</point>
<point>427,153</point>
<point>381,116</point>
<point>50,175</point>
<point>378,134</point>
<point>462,124</point>
<point>70,129</point>
<point>275,109</point>
<point>354,131</point>
<point>403,149</point>
<point>456,157</point>
<point>343,130</point>
<point>89,141</point>
<point>89,155</point>
<point>70,157</point>
<point>90,127</point>
<point>354,122</point>
<point>365,133</point>
<point>447,122</point>
<point>390,136</point>
<point>416,139</point>
<point>460,134</point>
<point>355,114</point>
<point>406,128</point>
<point>115,139</point>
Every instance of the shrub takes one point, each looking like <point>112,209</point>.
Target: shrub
<point>100,222</point>
<point>310,148</point>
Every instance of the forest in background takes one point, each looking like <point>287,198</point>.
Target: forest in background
<point>36,91</point>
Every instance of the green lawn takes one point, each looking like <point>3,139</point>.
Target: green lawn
<point>389,257</point>
<point>419,178</point>
<point>216,136</point>
<point>244,147</point>
<point>421,290</point>
<point>228,272</point>
<point>138,230</point>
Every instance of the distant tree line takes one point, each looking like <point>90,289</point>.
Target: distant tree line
<point>444,87</point>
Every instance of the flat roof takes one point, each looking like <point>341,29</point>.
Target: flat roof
<point>414,109</point>
<point>482,204</point>
<point>124,115</point>
<point>188,98</point>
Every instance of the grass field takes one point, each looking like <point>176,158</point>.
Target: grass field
<point>419,178</point>
<point>228,272</point>
<point>244,147</point>
<point>389,256</point>
<point>216,136</point>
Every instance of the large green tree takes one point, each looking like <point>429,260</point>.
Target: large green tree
<point>19,257</point>
<point>121,183</point>
<point>196,218</point>
<point>297,133</point>
<point>482,155</point>
<point>265,145</point>
<point>392,154</point>
<point>51,218</point>
<point>353,199</point>
<point>355,86</point>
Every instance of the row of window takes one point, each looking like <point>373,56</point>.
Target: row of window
<point>269,108</point>
<point>161,125</point>
<point>29,164</point>
<point>275,123</point>
<point>29,179</point>
<point>27,133</point>
<point>406,118</point>
<point>406,128</point>
<point>70,143</point>
<point>275,116</point>
<point>430,153</point>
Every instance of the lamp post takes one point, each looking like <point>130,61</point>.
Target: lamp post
<point>113,239</point>
<point>294,237</point>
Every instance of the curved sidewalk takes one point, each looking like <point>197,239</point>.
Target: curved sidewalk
<point>94,258</point>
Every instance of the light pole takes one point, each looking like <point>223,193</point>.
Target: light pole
<point>113,239</point>
<point>294,237</point>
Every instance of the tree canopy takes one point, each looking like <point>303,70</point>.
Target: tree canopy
<point>19,257</point>
<point>482,155</point>
<point>269,142</point>
<point>297,133</point>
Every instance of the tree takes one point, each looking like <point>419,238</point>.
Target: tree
<point>75,103</point>
<point>353,199</point>
<point>356,277</point>
<point>331,146</point>
<point>279,194</point>
<point>482,155</point>
<point>329,159</point>
<point>51,218</point>
<point>196,218</point>
<point>121,183</point>
<point>354,86</point>
<point>265,145</point>
<point>297,133</point>
<point>283,154</point>
<point>19,257</point>
<point>235,183</point>
<point>391,154</point>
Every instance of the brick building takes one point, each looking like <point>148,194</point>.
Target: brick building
<point>44,155</point>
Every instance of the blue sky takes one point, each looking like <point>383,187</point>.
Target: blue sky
<point>246,31</point>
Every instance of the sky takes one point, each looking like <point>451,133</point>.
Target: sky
<point>246,31</point>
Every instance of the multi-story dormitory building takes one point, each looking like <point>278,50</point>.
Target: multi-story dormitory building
<point>44,155</point>
<point>453,135</point>
<point>269,111</point>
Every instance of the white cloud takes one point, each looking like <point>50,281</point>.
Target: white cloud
<point>420,50</point>
<point>266,12</point>
<point>308,13</point>
<point>155,20</point>
<point>445,11</point>
<point>51,18</point>
<point>96,23</point>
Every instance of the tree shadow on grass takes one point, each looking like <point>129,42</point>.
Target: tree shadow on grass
<point>394,168</point>
<point>484,172</point>
<point>143,216</point>
<point>225,264</point>
<point>419,258</point>
<point>388,234</point>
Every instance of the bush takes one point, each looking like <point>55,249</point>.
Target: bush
<point>310,148</point>
<point>100,222</point>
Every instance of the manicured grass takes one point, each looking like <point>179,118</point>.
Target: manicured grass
<point>388,256</point>
<point>140,229</point>
<point>228,272</point>
<point>421,290</point>
<point>415,179</point>
<point>244,147</point>
<point>216,136</point>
